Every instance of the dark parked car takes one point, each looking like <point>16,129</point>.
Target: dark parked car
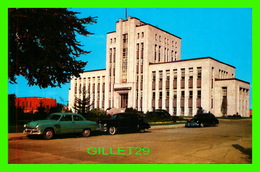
<point>201,120</point>
<point>123,122</point>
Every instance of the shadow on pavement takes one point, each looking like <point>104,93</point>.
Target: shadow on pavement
<point>245,151</point>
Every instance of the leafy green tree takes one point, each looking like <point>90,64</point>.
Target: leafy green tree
<point>43,46</point>
<point>59,107</point>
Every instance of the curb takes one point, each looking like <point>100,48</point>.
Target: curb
<point>16,136</point>
<point>161,127</point>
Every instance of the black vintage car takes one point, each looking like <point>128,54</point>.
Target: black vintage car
<point>122,122</point>
<point>202,120</point>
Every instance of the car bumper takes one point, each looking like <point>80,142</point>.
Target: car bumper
<point>102,128</point>
<point>32,131</point>
<point>192,124</point>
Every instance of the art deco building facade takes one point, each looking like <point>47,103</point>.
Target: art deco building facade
<point>144,71</point>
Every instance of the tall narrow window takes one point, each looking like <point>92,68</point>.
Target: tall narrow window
<point>199,70</point>
<point>155,47</point>
<point>159,54</point>
<point>125,38</point>
<point>124,58</point>
<point>160,79</point>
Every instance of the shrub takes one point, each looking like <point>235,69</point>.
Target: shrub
<point>158,115</point>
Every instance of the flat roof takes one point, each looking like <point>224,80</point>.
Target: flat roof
<point>199,58</point>
<point>144,24</point>
<point>95,70</point>
<point>227,79</point>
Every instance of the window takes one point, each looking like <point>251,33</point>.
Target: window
<point>125,38</point>
<point>153,95</point>
<point>77,118</point>
<point>160,75</point>
<point>142,50</point>
<point>199,94</point>
<point>182,73</point>
<point>175,73</point>
<point>160,95</point>
<point>182,94</point>
<point>175,95</point>
<point>159,54</point>
<point>155,47</point>
<point>154,76</point>
<point>66,118</point>
<point>199,72</point>
<point>224,91</point>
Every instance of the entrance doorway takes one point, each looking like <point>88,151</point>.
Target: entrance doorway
<point>124,100</point>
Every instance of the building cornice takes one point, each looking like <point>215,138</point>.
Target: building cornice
<point>95,70</point>
<point>145,24</point>
<point>199,58</point>
<point>230,79</point>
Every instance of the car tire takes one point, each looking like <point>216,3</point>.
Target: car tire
<point>141,130</point>
<point>215,125</point>
<point>202,125</point>
<point>48,134</point>
<point>112,130</point>
<point>86,133</point>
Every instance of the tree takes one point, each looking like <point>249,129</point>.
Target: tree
<point>43,46</point>
<point>82,104</point>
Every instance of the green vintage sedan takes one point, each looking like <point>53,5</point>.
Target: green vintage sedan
<point>60,123</point>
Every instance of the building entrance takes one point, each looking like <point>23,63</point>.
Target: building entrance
<point>124,100</point>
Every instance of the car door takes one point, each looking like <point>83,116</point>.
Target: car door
<point>66,124</point>
<point>79,123</point>
<point>133,121</point>
<point>123,121</point>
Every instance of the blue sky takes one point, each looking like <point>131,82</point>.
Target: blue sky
<point>222,33</point>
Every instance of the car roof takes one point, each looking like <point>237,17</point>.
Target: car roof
<point>65,113</point>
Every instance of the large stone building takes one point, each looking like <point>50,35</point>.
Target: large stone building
<point>144,71</point>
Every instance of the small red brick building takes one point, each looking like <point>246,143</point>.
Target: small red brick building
<point>30,104</point>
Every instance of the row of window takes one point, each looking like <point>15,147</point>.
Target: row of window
<point>223,74</point>
<point>80,84</point>
<point>167,41</point>
<point>169,55</point>
<point>175,74</point>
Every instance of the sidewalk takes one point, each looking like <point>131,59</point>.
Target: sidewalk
<point>16,136</point>
<point>159,127</point>
<point>21,136</point>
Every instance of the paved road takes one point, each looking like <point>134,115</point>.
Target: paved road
<point>229,143</point>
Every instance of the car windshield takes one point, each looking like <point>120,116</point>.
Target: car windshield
<point>113,117</point>
<point>54,117</point>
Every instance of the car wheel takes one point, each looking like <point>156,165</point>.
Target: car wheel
<point>86,133</point>
<point>141,130</point>
<point>112,130</point>
<point>215,125</point>
<point>202,125</point>
<point>48,134</point>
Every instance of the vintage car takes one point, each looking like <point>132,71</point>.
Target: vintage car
<point>60,123</point>
<point>202,120</point>
<point>123,122</point>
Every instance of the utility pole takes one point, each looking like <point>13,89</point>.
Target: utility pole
<point>126,14</point>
